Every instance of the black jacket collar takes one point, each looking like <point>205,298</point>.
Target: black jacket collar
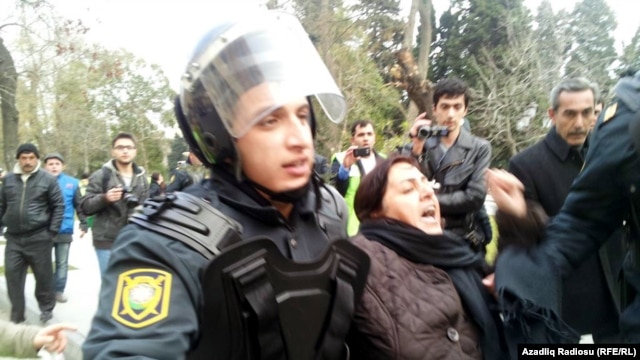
<point>558,145</point>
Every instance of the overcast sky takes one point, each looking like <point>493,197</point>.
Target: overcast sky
<point>166,31</point>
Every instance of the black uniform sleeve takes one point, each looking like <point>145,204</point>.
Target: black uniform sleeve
<point>180,178</point>
<point>149,300</point>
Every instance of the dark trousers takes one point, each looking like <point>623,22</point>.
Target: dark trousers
<point>21,253</point>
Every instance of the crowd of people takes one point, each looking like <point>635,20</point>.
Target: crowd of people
<point>258,247</point>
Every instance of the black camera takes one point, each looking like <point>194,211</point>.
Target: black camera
<point>130,199</point>
<point>429,131</point>
<point>361,152</point>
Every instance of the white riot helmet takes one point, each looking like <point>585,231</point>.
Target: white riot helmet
<point>268,47</point>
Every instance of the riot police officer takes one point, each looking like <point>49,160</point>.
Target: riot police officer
<point>254,262</point>
<point>603,196</point>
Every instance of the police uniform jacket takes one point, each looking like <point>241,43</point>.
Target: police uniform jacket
<point>167,326</point>
<point>601,197</point>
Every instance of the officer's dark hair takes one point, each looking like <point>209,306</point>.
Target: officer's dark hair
<point>123,135</point>
<point>359,124</point>
<point>373,186</point>
<point>155,176</point>
<point>576,84</point>
<point>451,88</point>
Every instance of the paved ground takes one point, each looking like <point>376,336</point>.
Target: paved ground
<point>83,285</point>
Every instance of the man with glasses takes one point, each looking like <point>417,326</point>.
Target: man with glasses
<point>113,192</point>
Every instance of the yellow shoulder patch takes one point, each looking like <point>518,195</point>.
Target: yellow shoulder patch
<point>173,177</point>
<point>610,112</point>
<point>142,297</point>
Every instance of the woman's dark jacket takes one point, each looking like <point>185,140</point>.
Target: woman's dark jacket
<point>424,298</point>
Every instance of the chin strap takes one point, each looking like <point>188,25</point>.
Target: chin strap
<point>290,196</point>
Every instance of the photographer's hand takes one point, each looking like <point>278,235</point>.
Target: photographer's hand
<point>113,194</point>
<point>418,143</point>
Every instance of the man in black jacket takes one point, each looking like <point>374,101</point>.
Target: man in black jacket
<point>31,207</point>
<point>547,170</point>
<point>455,159</point>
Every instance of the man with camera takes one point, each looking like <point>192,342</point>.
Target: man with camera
<point>454,158</point>
<point>113,192</point>
<point>347,167</point>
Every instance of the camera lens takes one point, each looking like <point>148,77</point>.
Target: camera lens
<point>423,132</point>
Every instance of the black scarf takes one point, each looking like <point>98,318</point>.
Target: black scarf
<point>454,255</point>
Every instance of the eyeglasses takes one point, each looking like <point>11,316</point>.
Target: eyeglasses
<point>124,147</point>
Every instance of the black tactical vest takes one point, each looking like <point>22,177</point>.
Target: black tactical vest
<point>258,303</point>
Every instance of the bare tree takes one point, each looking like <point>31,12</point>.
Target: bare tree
<point>511,86</point>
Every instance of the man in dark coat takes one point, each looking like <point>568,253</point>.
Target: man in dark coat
<point>547,170</point>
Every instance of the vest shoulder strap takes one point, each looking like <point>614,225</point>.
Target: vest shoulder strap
<point>332,216</point>
<point>191,220</point>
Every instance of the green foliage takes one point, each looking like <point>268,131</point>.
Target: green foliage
<point>382,31</point>
<point>468,28</point>
<point>593,53</point>
<point>551,41</point>
<point>630,58</point>
<point>73,96</point>
<point>178,146</point>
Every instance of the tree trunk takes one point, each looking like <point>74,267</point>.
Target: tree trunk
<point>407,43</point>
<point>412,76</point>
<point>8,82</point>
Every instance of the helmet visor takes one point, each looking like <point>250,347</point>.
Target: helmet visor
<point>270,55</point>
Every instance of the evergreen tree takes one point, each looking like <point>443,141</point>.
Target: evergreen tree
<point>630,58</point>
<point>469,28</point>
<point>382,28</point>
<point>550,43</point>
<point>593,53</point>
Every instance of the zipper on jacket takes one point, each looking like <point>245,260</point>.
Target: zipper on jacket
<point>24,191</point>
